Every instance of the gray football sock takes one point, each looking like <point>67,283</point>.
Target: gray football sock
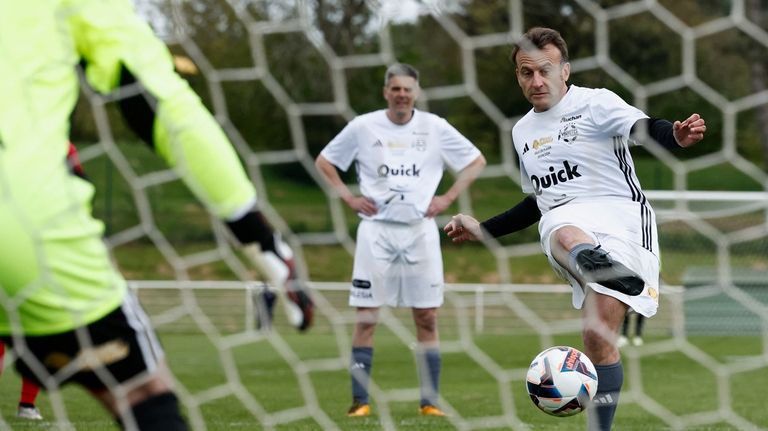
<point>429,363</point>
<point>360,371</point>
<point>609,381</point>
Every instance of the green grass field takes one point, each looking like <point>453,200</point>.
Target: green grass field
<point>266,378</point>
<point>232,377</point>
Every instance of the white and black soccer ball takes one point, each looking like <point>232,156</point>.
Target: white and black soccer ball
<point>562,381</point>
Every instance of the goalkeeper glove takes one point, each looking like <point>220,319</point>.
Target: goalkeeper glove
<point>274,259</point>
<point>279,269</point>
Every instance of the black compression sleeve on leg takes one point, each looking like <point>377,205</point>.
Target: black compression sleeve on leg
<point>253,227</point>
<point>514,219</point>
<point>660,130</point>
<point>159,413</point>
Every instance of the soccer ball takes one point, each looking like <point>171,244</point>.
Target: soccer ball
<point>561,381</point>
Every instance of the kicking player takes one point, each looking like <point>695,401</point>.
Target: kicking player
<point>596,225</point>
<point>400,154</point>
<point>64,309</point>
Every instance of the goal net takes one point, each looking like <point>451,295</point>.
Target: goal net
<point>282,77</point>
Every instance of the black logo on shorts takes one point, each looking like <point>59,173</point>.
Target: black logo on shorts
<point>361,284</point>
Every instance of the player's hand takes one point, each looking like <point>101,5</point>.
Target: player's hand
<point>438,205</point>
<point>463,228</point>
<point>690,131</point>
<point>362,204</point>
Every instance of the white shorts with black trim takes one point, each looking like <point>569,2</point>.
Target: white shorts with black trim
<point>397,264</point>
<point>624,231</point>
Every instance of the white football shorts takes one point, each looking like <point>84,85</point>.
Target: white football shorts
<point>630,253</point>
<point>397,264</point>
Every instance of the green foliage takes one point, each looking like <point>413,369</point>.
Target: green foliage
<point>304,74</point>
<point>677,105</point>
<point>365,90</point>
<point>641,44</point>
<point>436,54</point>
<point>662,48</point>
<point>345,26</point>
<point>464,115</point>
<point>271,131</point>
<point>496,77</point>
<point>697,12</point>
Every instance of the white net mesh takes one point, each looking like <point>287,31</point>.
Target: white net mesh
<point>298,67</point>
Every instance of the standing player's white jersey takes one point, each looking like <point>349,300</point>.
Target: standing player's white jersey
<point>576,155</point>
<point>400,166</point>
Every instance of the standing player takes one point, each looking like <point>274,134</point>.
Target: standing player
<point>400,154</point>
<point>597,227</point>
<point>64,309</point>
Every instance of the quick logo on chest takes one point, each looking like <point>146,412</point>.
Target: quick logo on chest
<point>555,177</point>
<point>402,171</point>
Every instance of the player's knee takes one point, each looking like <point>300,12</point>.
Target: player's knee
<point>427,327</point>
<point>569,236</point>
<point>426,319</point>
<point>366,320</point>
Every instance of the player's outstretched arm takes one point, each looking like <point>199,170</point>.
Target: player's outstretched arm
<point>274,260</point>
<point>673,135</point>
<point>690,131</point>
<point>464,228</point>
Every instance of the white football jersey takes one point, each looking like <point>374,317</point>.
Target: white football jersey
<point>577,152</point>
<point>400,166</point>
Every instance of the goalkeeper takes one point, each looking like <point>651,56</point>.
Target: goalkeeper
<point>63,307</point>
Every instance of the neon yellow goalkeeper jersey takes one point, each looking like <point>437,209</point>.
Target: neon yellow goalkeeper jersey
<point>55,271</point>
